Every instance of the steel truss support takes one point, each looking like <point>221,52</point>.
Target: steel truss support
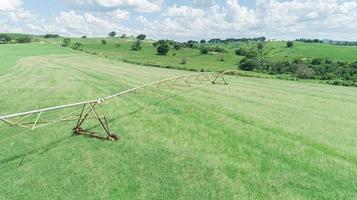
<point>101,119</point>
<point>220,77</point>
<point>32,119</point>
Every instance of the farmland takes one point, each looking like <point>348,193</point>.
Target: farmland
<point>253,139</point>
<point>120,49</point>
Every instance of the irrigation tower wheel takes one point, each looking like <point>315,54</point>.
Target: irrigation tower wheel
<point>113,137</point>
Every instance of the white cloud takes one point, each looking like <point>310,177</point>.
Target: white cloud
<point>119,14</point>
<point>240,15</point>
<point>104,5</point>
<point>204,3</point>
<point>184,22</point>
<point>9,5</point>
<point>142,19</point>
<point>184,11</point>
<point>13,16</point>
<point>301,18</point>
<point>74,23</point>
<point>289,19</point>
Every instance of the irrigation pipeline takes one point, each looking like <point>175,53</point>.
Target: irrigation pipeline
<point>92,103</point>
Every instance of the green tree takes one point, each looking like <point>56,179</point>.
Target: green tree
<point>289,44</point>
<point>4,39</point>
<point>249,64</point>
<point>136,45</point>
<point>77,46</point>
<point>204,50</point>
<point>304,72</point>
<point>104,42</point>
<point>163,49</point>
<point>177,46</point>
<point>112,34</point>
<point>141,37</point>
<point>51,36</point>
<point>241,52</point>
<point>203,41</point>
<point>66,42</point>
<point>24,39</point>
<point>155,44</point>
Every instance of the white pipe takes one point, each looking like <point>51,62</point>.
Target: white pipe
<point>100,100</point>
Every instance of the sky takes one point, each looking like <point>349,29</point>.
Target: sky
<point>184,19</point>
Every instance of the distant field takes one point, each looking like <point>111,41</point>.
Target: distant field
<point>121,49</point>
<point>276,51</point>
<point>252,139</point>
<point>279,51</point>
<point>10,54</point>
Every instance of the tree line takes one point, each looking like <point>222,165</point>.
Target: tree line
<point>6,39</point>
<point>334,72</point>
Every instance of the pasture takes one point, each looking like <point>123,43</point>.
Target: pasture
<point>253,139</point>
<point>120,49</point>
<point>278,51</point>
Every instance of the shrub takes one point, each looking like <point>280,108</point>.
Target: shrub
<point>260,46</point>
<point>328,61</point>
<point>104,42</point>
<point>204,50</point>
<point>177,46</point>
<point>155,44</point>
<point>163,49</point>
<point>221,59</point>
<point>304,72</point>
<point>77,46</point>
<point>66,42</point>
<point>252,54</point>
<point>218,49</point>
<point>183,61</point>
<point>316,61</point>
<point>83,37</point>
<point>289,44</point>
<point>248,64</point>
<point>241,52</point>
<point>24,39</point>
<point>296,61</point>
<point>279,67</point>
<point>136,46</point>
<point>203,41</point>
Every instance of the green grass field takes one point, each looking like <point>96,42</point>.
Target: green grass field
<point>120,49</point>
<point>253,139</point>
<point>279,51</point>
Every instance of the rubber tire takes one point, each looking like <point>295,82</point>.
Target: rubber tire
<point>113,137</point>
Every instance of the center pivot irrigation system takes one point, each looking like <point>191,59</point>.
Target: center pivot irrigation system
<point>32,119</point>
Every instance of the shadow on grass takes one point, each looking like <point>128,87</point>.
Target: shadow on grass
<point>141,108</point>
<point>40,150</point>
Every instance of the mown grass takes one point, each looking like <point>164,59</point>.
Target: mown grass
<point>253,139</point>
<point>11,53</point>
